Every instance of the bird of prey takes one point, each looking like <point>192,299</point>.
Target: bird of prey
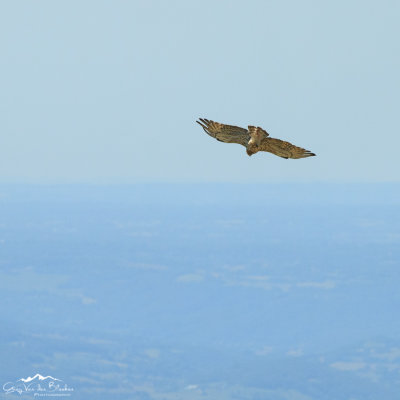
<point>255,139</point>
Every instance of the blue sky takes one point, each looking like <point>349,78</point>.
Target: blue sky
<point>108,91</point>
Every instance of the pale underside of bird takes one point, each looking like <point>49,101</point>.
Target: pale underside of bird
<point>254,138</point>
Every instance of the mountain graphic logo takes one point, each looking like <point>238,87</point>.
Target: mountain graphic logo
<point>38,377</point>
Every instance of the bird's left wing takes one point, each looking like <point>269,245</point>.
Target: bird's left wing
<point>284,149</point>
<point>225,133</point>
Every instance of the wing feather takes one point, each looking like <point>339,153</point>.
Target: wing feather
<point>225,133</point>
<point>284,149</point>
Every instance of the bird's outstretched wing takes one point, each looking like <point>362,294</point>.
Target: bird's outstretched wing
<point>283,149</point>
<point>225,133</point>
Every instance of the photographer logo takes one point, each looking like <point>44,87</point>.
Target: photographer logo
<point>39,386</point>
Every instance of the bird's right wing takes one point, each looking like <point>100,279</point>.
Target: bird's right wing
<point>225,133</point>
<point>284,149</point>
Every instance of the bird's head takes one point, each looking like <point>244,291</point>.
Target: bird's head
<point>251,149</point>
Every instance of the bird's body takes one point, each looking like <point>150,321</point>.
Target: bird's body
<point>255,139</point>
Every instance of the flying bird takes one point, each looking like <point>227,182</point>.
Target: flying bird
<point>254,138</point>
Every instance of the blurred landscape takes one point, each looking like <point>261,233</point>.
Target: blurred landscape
<point>206,291</point>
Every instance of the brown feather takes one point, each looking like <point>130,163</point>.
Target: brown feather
<point>284,149</point>
<point>225,133</point>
